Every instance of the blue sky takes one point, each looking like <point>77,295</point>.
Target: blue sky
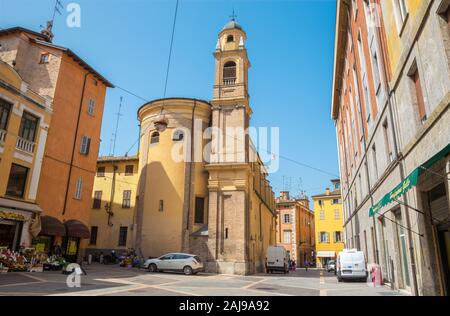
<point>290,45</point>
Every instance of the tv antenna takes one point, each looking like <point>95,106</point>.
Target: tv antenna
<point>114,135</point>
<point>47,31</point>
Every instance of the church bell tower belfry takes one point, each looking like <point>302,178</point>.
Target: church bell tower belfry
<point>229,166</point>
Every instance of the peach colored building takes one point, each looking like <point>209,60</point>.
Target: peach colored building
<point>295,228</point>
<point>77,92</point>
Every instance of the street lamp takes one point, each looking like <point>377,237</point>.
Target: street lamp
<point>161,123</point>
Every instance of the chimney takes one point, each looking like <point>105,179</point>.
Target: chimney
<point>285,195</point>
<point>327,191</point>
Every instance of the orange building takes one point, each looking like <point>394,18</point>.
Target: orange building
<point>69,162</point>
<point>295,228</point>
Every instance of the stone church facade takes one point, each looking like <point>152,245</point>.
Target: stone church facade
<point>203,188</point>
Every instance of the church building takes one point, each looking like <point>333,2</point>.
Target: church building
<point>203,188</point>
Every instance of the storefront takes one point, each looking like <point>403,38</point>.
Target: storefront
<point>17,223</point>
<point>429,185</point>
<point>75,231</point>
<point>51,235</point>
<point>323,257</point>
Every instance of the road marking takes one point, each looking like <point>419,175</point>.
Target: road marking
<point>253,284</point>
<point>323,292</point>
<point>32,277</point>
<point>18,284</point>
<point>175,291</point>
<point>22,293</point>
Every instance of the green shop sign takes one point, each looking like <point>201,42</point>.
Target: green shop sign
<point>408,182</point>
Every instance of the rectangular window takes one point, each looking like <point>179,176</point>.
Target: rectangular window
<point>85,145</point>
<point>199,210</point>
<point>91,106</point>
<point>287,218</point>
<point>323,237</point>
<point>374,158</point>
<point>376,66</point>
<point>97,200</point>
<point>365,84</point>
<point>93,239</point>
<point>400,13</point>
<point>322,215</point>
<point>5,109</point>
<point>78,188</point>
<point>123,236</point>
<point>45,58</point>
<point>337,236</point>
<point>419,95</point>
<point>126,202</point>
<point>129,170</point>
<point>161,205</point>
<point>387,141</point>
<point>17,181</point>
<point>337,215</point>
<point>287,236</point>
<point>28,127</point>
<point>101,172</point>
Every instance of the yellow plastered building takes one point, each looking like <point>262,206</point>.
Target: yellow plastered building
<point>24,121</point>
<point>329,222</point>
<point>113,205</point>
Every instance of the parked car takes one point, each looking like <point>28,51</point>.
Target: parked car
<point>331,266</point>
<point>277,259</point>
<point>351,264</point>
<point>179,262</point>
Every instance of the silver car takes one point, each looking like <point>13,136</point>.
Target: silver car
<point>180,262</point>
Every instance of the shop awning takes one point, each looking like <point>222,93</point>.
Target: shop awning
<point>326,254</point>
<point>408,182</point>
<point>19,205</point>
<point>51,226</point>
<point>77,229</point>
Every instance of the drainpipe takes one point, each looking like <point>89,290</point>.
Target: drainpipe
<point>111,198</point>
<point>399,157</point>
<point>191,163</point>
<point>74,144</point>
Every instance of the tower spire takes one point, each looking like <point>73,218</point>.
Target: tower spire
<point>233,16</point>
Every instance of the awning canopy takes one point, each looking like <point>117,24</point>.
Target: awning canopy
<point>77,229</point>
<point>326,254</point>
<point>51,226</point>
<point>19,205</point>
<point>408,182</point>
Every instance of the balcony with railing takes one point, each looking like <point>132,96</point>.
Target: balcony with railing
<point>2,136</point>
<point>229,81</point>
<point>25,145</point>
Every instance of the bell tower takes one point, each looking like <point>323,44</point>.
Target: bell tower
<point>232,65</point>
<point>229,167</point>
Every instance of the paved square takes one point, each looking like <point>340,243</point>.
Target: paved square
<point>103,280</point>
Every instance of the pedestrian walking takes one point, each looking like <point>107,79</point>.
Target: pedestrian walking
<point>306,265</point>
<point>294,265</point>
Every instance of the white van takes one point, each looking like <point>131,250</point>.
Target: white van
<point>351,264</point>
<point>277,259</point>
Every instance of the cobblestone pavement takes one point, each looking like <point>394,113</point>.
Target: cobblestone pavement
<point>113,281</point>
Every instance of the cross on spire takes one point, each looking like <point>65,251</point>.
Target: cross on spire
<point>233,16</point>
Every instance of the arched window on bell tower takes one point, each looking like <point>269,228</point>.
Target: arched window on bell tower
<point>229,73</point>
<point>230,38</point>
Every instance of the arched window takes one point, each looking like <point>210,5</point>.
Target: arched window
<point>230,38</point>
<point>154,138</point>
<point>229,73</point>
<point>178,135</point>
